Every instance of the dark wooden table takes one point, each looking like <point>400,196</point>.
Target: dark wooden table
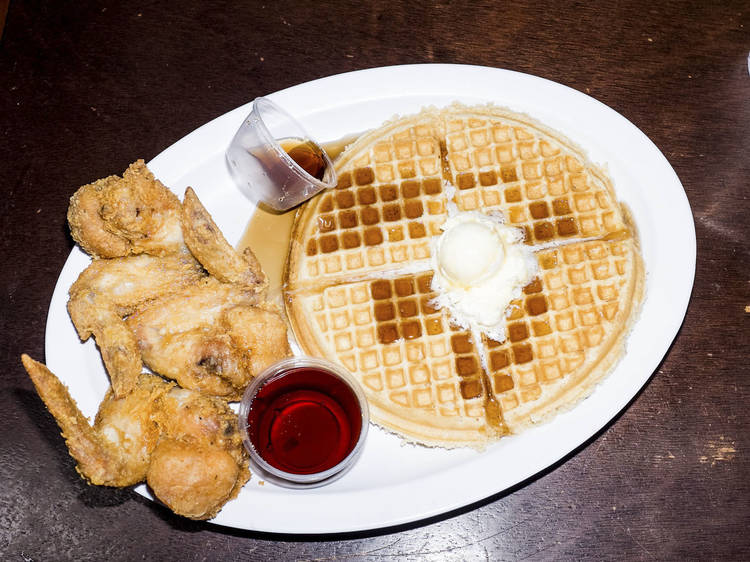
<point>86,88</point>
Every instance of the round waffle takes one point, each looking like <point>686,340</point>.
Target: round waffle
<point>358,278</point>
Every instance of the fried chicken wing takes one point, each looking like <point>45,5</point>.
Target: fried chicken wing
<point>208,245</point>
<point>134,214</point>
<point>116,450</point>
<point>128,282</point>
<point>164,289</point>
<point>201,359</point>
<point>185,444</point>
<point>110,289</point>
<point>203,338</point>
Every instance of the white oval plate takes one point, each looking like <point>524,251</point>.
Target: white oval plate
<point>395,483</point>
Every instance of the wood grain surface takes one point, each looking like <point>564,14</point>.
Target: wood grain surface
<point>86,88</point>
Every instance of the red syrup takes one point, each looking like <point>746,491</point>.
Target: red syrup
<point>304,420</point>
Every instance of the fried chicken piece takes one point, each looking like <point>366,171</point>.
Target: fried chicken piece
<point>200,462</point>
<point>204,337</point>
<point>261,331</point>
<point>110,289</point>
<point>186,445</point>
<point>194,481</point>
<point>134,214</point>
<point>200,359</point>
<point>116,450</point>
<point>129,282</point>
<point>208,245</point>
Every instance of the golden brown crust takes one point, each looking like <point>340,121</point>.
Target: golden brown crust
<point>134,214</point>
<point>211,333</point>
<point>108,290</point>
<point>88,228</point>
<point>190,336</point>
<point>116,450</point>
<point>186,444</point>
<point>194,481</point>
<point>208,245</point>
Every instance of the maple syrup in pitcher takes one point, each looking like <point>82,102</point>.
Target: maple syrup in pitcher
<point>305,420</point>
<point>307,154</point>
<point>268,232</point>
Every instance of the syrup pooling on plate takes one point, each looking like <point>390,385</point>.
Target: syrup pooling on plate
<point>268,231</point>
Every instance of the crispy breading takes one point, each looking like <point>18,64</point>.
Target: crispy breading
<point>185,444</point>
<point>110,289</point>
<point>208,245</point>
<point>146,300</point>
<point>134,214</point>
<point>184,336</point>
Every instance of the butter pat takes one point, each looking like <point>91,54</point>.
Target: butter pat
<point>469,252</point>
<point>480,266</point>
